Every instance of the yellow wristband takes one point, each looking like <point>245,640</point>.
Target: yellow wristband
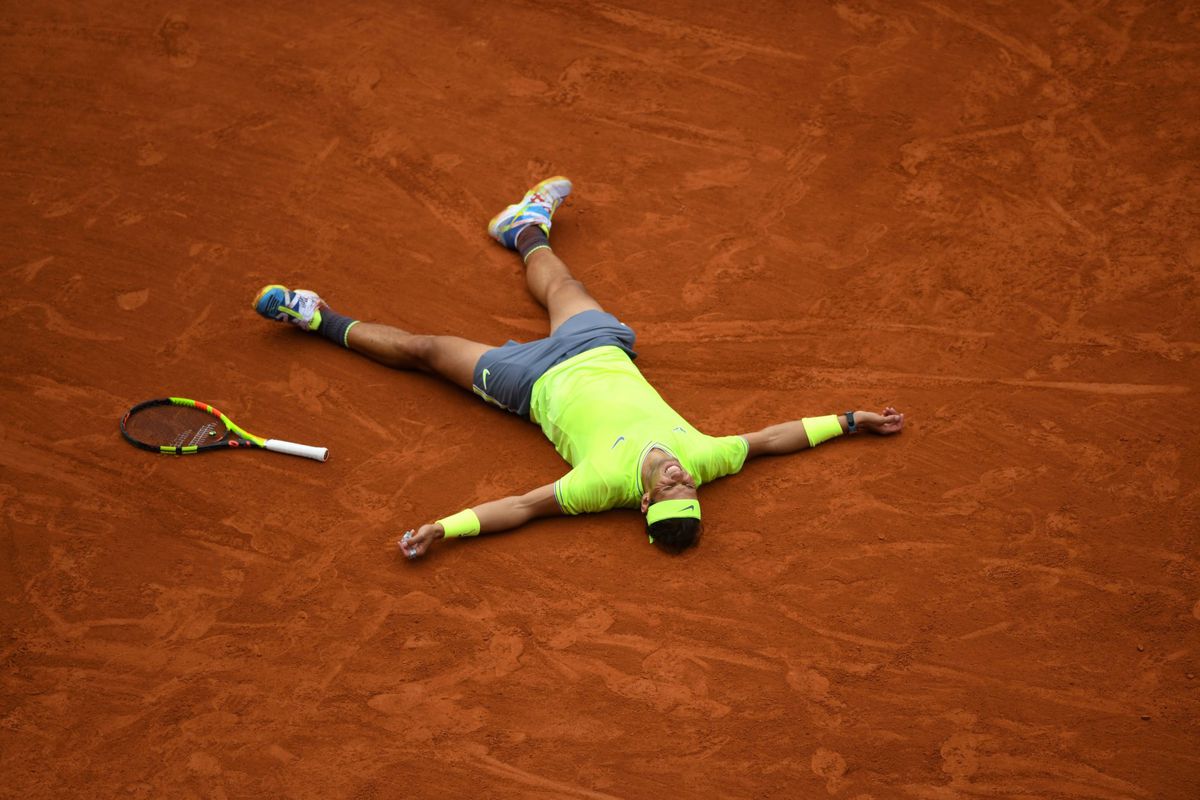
<point>464,523</point>
<point>821,429</point>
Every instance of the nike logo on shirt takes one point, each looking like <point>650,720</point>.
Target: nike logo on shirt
<point>617,442</point>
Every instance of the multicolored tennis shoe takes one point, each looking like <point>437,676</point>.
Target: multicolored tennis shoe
<point>300,307</point>
<point>537,207</point>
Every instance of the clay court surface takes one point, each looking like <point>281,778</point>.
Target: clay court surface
<point>984,213</point>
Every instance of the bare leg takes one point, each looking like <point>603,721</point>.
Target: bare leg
<point>556,288</point>
<point>451,357</point>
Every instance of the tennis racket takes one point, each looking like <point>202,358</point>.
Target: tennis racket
<point>179,426</point>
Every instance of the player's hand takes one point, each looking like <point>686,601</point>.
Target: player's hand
<point>414,544</point>
<point>889,422</point>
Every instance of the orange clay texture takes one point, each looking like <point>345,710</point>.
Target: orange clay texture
<point>982,213</point>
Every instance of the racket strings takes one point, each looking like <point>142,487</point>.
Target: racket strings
<point>202,435</point>
<point>174,426</point>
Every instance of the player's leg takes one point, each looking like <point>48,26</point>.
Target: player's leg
<point>451,357</point>
<point>525,227</point>
<point>551,282</point>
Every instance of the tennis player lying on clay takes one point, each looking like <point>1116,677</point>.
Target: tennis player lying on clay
<point>626,446</point>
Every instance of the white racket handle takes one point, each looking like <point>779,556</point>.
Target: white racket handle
<point>293,449</point>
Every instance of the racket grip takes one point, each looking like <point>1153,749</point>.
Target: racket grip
<point>293,449</point>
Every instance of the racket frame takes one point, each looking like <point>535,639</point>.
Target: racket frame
<point>244,437</point>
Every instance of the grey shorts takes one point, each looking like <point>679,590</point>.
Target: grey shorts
<point>505,375</point>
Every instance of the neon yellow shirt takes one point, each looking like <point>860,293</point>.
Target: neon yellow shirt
<point>604,418</point>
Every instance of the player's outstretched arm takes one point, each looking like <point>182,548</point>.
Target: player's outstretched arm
<point>496,515</point>
<point>789,437</point>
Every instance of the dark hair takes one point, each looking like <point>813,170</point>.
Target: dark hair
<point>675,534</point>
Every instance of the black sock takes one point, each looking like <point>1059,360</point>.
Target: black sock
<point>530,238</point>
<point>335,326</point>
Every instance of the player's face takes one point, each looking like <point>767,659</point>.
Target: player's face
<point>672,482</point>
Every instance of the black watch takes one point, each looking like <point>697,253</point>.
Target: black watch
<point>850,426</point>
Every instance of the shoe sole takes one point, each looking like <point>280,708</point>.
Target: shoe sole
<point>280,308</point>
<point>261,292</point>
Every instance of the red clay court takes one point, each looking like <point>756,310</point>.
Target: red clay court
<point>984,213</point>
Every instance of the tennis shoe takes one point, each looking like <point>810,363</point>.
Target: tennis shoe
<point>537,207</point>
<point>300,307</point>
